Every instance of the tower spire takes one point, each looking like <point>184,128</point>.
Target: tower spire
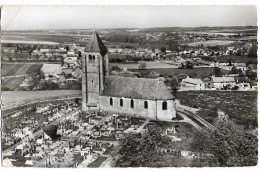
<point>96,45</point>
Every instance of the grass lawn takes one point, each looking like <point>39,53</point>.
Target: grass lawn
<point>234,58</point>
<point>197,72</point>
<point>10,69</point>
<point>211,43</point>
<point>241,106</point>
<point>12,83</point>
<point>97,162</point>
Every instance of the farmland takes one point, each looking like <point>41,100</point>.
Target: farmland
<point>11,83</point>
<point>18,69</point>
<point>234,58</point>
<point>149,65</point>
<point>238,59</point>
<point>196,72</point>
<point>240,106</point>
<point>210,43</point>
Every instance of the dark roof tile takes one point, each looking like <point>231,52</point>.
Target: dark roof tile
<point>136,88</point>
<point>95,44</point>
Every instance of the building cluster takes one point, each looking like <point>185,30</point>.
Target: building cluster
<point>228,82</point>
<point>67,51</point>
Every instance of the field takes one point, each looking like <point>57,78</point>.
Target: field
<point>240,106</point>
<point>13,98</point>
<point>18,69</point>
<point>197,72</point>
<point>238,59</point>
<point>11,83</point>
<point>210,43</point>
<point>15,70</point>
<point>149,65</point>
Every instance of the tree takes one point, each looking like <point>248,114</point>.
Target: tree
<point>217,72</point>
<point>142,65</point>
<point>144,150</point>
<point>35,78</point>
<point>233,146</point>
<point>62,61</point>
<point>76,100</point>
<point>79,55</point>
<point>201,145</point>
<point>189,64</point>
<point>67,48</point>
<point>250,74</point>
<point>234,70</point>
<point>253,51</point>
<point>163,50</point>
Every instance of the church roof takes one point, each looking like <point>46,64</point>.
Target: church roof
<point>136,88</point>
<point>95,44</point>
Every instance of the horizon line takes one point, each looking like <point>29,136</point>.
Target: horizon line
<point>130,28</point>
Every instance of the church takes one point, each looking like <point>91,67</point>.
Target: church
<point>136,97</point>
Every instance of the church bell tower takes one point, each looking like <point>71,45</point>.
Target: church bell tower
<point>95,68</point>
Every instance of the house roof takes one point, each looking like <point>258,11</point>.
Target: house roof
<point>242,79</point>
<point>95,44</point>
<point>223,79</point>
<point>136,88</point>
<point>252,66</point>
<point>117,56</point>
<point>240,64</point>
<point>194,81</point>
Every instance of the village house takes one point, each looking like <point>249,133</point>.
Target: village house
<point>116,57</point>
<point>10,50</point>
<point>192,84</point>
<point>252,67</point>
<point>70,59</point>
<point>243,83</point>
<point>241,66</point>
<point>221,82</point>
<point>138,97</point>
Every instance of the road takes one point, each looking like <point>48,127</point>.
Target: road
<point>35,102</point>
<point>14,76</point>
<point>188,120</point>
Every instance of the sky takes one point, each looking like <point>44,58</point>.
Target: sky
<point>94,17</point>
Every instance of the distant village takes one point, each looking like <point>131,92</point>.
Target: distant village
<point>62,63</point>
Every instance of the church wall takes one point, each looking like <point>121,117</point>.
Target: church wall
<point>93,99</point>
<point>166,114</point>
<point>84,101</point>
<point>93,82</point>
<point>137,111</point>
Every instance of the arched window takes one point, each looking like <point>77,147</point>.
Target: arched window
<point>91,58</point>
<point>121,102</point>
<point>164,106</point>
<point>111,101</point>
<point>132,103</point>
<point>145,104</point>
